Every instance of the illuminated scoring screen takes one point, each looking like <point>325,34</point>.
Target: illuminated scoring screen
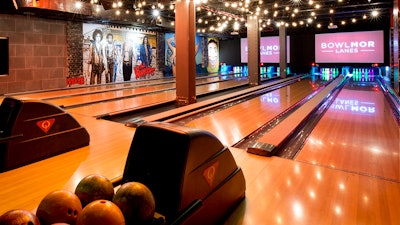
<point>269,49</point>
<point>350,47</point>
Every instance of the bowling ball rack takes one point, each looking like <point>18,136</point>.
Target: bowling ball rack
<point>192,175</point>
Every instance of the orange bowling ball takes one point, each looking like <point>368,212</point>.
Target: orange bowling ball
<point>101,212</point>
<point>19,217</point>
<point>94,187</point>
<point>60,206</point>
<point>136,203</point>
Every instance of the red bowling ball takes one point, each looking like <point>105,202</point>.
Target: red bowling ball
<point>136,202</point>
<point>60,206</point>
<point>94,187</point>
<point>19,217</point>
<point>101,212</point>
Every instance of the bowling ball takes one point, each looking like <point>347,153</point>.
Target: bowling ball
<point>136,202</point>
<point>60,206</point>
<point>101,212</point>
<point>19,217</point>
<point>94,187</point>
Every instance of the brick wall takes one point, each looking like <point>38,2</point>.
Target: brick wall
<point>38,54</point>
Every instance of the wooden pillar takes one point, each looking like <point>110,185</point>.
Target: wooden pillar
<point>185,35</point>
<point>282,51</point>
<point>253,47</point>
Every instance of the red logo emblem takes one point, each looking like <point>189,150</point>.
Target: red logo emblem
<point>45,125</point>
<point>209,173</point>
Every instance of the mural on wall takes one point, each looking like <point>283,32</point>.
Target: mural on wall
<point>170,54</point>
<point>213,55</point>
<point>117,55</point>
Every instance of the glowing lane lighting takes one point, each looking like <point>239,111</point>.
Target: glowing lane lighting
<point>288,182</point>
<point>318,175</point>
<point>297,169</point>
<point>311,194</point>
<point>366,199</point>
<point>297,209</point>
<point>375,150</point>
<point>279,220</point>
<point>338,210</point>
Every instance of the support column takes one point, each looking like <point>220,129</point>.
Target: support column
<point>185,35</point>
<point>253,50</point>
<point>282,51</point>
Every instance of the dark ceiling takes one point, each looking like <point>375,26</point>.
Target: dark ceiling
<point>213,16</point>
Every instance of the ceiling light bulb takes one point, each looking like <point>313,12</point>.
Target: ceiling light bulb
<point>78,5</point>
<point>156,12</point>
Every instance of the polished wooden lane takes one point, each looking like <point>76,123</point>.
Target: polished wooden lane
<point>281,131</point>
<point>89,98</point>
<point>234,123</point>
<point>358,134</point>
<point>283,191</point>
<point>106,96</point>
<point>94,89</point>
<point>127,104</point>
<point>85,90</point>
<point>279,191</point>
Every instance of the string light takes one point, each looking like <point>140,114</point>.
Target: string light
<point>226,16</point>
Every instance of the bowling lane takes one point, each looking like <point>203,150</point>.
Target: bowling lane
<point>74,101</point>
<point>358,133</point>
<point>283,191</point>
<point>88,89</point>
<point>232,124</point>
<point>93,89</point>
<point>129,104</point>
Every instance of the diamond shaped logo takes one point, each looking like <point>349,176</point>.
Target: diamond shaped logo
<point>209,173</point>
<point>45,125</point>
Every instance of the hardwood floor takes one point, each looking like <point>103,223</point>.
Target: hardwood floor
<point>347,173</point>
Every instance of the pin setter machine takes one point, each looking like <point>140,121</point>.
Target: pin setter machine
<point>32,130</point>
<point>192,175</point>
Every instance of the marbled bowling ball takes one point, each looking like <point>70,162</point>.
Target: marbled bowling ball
<point>60,206</point>
<point>101,212</point>
<point>136,202</point>
<point>19,217</point>
<point>94,187</point>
